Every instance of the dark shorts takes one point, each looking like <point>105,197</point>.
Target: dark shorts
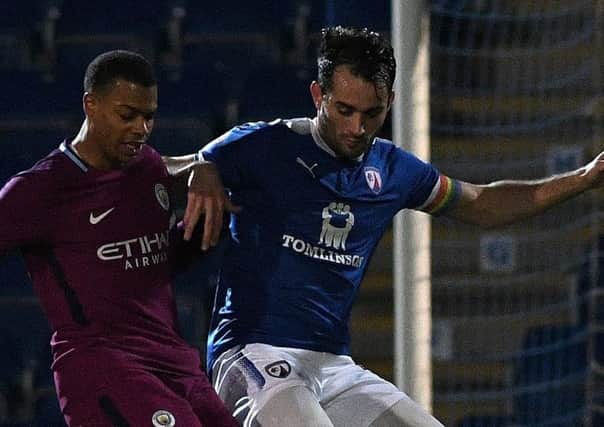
<point>95,393</point>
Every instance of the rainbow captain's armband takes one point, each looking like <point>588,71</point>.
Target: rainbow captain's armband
<point>445,193</point>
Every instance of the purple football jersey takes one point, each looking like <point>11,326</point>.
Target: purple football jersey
<point>96,245</point>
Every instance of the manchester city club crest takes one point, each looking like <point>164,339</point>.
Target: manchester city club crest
<point>374,179</point>
<point>161,194</point>
<point>163,418</point>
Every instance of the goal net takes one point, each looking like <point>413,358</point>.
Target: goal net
<point>518,312</point>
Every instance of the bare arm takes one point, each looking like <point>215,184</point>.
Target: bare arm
<point>180,166</point>
<point>206,195</point>
<point>504,202</point>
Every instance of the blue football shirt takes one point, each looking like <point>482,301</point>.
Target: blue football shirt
<point>309,225</point>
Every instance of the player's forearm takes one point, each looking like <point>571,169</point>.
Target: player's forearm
<point>504,202</point>
<point>182,165</point>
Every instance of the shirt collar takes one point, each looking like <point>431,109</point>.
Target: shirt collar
<point>314,130</point>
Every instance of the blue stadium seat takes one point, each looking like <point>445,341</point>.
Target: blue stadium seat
<point>109,17</point>
<point>231,59</point>
<point>485,421</point>
<point>597,419</point>
<point>585,282</point>
<point>590,296</point>
<point>277,91</point>
<point>29,93</point>
<point>86,29</point>
<point>23,147</point>
<point>233,17</point>
<point>23,14</point>
<point>14,280</point>
<point>73,58</point>
<point>47,412</point>
<point>32,96</point>
<point>181,136</point>
<point>24,331</point>
<point>12,359</point>
<point>550,374</point>
<point>13,373</point>
<point>19,21</point>
<point>358,13</point>
<point>27,323</point>
<point>43,376</point>
<point>191,91</point>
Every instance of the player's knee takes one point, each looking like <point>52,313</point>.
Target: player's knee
<point>406,413</point>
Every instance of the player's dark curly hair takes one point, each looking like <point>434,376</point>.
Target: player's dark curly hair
<point>368,54</point>
<point>118,64</point>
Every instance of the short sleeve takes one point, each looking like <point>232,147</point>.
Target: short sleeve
<point>235,150</point>
<point>24,212</point>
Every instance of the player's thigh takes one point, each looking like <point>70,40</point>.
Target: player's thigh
<point>122,398</point>
<point>298,405</point>
<point>247,379</point>
<point>405,413</point>
<point>356,397</point>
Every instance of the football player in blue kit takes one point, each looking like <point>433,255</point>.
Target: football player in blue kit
<point>316,196</point>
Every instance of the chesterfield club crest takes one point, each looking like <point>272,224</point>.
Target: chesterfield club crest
<point>374,179</point>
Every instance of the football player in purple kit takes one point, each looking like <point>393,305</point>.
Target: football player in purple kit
<point>316,196</point>
<point>94,222</point>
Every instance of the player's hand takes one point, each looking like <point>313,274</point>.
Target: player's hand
<point>594,171</point>
<point>206,196</point>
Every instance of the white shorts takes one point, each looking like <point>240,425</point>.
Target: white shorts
<point>248,378</point>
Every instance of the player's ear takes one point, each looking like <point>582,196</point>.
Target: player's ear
<point>89,103</point>
<point>317,94</point>
<point>390,99</point>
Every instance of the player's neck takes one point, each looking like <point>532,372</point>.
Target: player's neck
<point>84,146</point>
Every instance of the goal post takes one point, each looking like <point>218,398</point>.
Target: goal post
<point>411,242</point>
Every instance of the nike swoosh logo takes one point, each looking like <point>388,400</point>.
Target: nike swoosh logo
<point>96,219</point>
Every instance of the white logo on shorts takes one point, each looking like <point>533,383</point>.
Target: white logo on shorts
<point>280,369</point>
<point>163,418</point>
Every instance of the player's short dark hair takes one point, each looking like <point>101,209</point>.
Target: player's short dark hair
<point>110,66</point>
<point>368,55</point>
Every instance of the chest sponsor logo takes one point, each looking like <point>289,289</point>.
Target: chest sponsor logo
<point>337,222</point>
<point>280,369</point>
<point>162,196</point>
<point>95,219</point>
<point>138,252</point>
<point>374,179</point>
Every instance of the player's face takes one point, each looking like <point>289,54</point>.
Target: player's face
<point>351,113</point>
<point>120,122</point>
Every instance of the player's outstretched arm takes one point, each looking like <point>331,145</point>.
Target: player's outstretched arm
<point>206,196</point>
<point>504,202</point>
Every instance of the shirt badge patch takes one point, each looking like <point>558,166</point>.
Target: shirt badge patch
<point>163,418</point>
<point>280,369</point>
<point>161,194</point>
<point>374,179</point>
